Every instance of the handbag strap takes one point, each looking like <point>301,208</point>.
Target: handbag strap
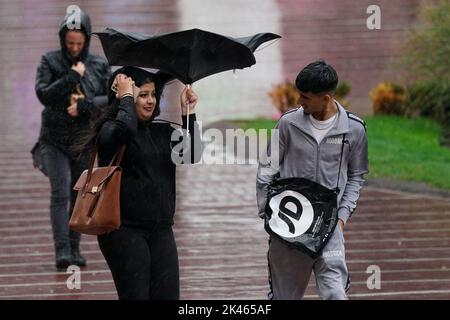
<point>116,159</point>
<point>340,161</point>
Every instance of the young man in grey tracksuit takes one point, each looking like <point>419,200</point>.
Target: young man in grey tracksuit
<point>309,146</point>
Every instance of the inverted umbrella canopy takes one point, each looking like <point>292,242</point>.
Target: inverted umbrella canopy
<point>188,55</point>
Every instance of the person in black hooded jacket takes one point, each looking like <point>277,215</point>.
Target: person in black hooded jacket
<point>71,83</point>
<point>142,253</point>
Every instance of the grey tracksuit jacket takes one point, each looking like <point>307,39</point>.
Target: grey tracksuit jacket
<point>299,155</point>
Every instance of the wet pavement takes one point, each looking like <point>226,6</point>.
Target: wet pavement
<point>221,241</point>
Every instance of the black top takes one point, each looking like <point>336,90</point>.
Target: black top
<point>147,194</point>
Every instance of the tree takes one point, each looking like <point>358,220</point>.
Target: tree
<point>428,49</point>
<point>427,61</point>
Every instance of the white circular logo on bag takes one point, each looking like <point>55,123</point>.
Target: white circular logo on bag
<point>292,214</point>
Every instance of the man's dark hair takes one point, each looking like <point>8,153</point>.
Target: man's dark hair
<point>317,77</point>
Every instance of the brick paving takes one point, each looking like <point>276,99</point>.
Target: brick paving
<point>221,242</point>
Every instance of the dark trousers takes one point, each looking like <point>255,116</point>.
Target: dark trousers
<point>63,172</point>
<point>143,262</point>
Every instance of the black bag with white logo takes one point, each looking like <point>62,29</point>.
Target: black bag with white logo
<point>301,212</point>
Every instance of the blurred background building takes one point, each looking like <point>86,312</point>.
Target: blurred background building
<point>331,30</point>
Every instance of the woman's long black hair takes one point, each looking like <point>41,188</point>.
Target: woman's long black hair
<point>140,77</point>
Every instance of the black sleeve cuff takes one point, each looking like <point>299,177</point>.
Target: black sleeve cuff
<point>126,103</point>
<point>192,117</point>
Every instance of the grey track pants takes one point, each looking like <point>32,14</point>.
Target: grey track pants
<point>290,270</point>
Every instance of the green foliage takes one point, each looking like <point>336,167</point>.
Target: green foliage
<point>426,61</point>
<point>429,99</point>
<point>342,90</point>
<point>284,96</point>
<point>407,149</point>
<point>388,98</point>
<point>428,49</point>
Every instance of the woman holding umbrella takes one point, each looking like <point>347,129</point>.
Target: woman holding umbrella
<point>142,254</point>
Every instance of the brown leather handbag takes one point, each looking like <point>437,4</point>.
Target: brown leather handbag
<point>97,207</point>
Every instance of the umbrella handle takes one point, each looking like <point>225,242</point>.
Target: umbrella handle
<point>187,127</point>
<point>187,112</point>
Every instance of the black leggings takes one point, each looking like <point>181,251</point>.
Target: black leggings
<point>143,263</point>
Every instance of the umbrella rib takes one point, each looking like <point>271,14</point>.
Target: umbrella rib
<point>194,40</point>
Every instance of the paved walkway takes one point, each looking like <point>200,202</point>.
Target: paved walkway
<point>222,244</point>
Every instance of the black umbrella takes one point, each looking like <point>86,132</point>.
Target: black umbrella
<point>188,55</point>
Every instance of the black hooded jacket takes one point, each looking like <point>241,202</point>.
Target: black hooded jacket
<point>56,81</point>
